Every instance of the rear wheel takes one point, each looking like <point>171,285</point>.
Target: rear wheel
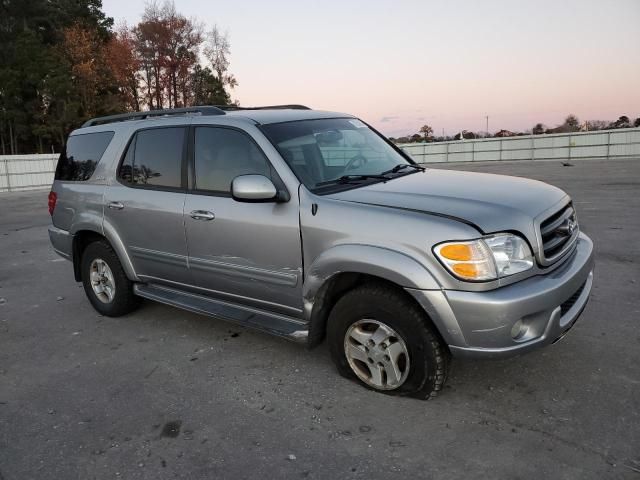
<point>382,339</point>
<point>105,283</point>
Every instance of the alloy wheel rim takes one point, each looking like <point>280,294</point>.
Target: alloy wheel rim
<point>102,281</point>
<point>377,354</point>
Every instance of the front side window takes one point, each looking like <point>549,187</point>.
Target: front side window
<point>154,158</point>
<point>221,154</point>
<point>324,150</point>
<point>81,155</point>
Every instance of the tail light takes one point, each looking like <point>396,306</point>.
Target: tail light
<point>53,198</point>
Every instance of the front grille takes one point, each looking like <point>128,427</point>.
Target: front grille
<point>558,233</point>
<point>566,306</point>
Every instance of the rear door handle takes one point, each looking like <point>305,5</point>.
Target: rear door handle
<point>202,215</point>
<point>115,205</point>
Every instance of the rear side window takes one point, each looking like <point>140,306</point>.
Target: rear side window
<point>80,156</point>
<point>154,158</point>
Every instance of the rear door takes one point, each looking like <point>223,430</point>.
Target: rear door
<point>244,252</point>
<point>144,207</point>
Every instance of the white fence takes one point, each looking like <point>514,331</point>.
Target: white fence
<point>30,172</point>
<point>621,143</point>
<point>26,172</point>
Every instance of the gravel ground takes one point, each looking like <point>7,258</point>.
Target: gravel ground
<point>162,393</point>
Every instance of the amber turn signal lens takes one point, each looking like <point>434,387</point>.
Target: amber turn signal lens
<point>467,270</point>
<point>469,260</point>
<point>457,251</point>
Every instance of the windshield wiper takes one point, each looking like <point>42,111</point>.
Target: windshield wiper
<point>380,176</point>
<point>402,166</point>
<point>350,179</point>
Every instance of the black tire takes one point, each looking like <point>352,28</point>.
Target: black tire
<point>124,300</point>
<point>428,356</point>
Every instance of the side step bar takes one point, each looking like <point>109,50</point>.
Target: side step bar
<point>281,325</point>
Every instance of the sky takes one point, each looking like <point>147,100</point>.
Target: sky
<point>402,64</point>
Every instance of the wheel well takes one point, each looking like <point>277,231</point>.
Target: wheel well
<point>330,293</point>
<point>80,241</point>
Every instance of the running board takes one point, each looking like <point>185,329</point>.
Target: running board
<point>281,325</point>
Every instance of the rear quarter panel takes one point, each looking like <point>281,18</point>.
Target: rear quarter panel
<point>80,204</point>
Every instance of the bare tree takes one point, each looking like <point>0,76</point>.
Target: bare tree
<point>597,125</point>
<point>217,50</point>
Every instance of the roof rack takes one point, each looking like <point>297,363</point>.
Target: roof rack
<point>269,107</point>
<point>203,110</point>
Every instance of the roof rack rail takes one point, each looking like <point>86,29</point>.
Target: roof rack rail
<point>122,117</point>
<point>268,107</point>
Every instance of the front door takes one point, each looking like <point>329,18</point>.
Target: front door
<point>247,253</point>
<point>145,206</point>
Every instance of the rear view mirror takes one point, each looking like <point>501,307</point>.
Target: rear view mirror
<point>329,137</point>
<point>253,188</point>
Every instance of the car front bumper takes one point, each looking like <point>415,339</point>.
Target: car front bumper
<point>517,318</point>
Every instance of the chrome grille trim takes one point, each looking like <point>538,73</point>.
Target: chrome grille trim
<point>546,227</point>
<point>558,234</point>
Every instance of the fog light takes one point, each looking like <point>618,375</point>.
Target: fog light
<point>519,330</point>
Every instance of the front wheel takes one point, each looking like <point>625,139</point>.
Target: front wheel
<point>105,283</point>
<point>380,337</point>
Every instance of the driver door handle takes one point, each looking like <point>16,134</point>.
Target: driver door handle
<point>115,205</point>
<point>202,215</point>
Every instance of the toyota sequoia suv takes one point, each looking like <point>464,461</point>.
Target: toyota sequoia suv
<point>312,225</point>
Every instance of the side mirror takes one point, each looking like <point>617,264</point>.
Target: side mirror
<point>254,188</point>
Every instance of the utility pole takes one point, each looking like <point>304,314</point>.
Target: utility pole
<point>487,118</point>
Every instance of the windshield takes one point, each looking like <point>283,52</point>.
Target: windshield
<point>326,150</point>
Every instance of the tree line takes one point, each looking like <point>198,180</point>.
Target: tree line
<point>570,124</point>
<point>63,61</point>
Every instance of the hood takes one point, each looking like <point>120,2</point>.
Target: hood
<point>491,203</point>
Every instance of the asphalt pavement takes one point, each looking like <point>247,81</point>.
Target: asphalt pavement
<point>163,393</point>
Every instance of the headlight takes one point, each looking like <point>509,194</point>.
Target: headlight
<point>487,258</point>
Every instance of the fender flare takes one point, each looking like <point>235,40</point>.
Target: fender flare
<point>118,245</point>
<point>382,262</point>
<point>391,265</point>
<point>114,240</point>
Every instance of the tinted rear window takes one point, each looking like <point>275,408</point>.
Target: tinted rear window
<point>82,153</point>
<point>154,158</point>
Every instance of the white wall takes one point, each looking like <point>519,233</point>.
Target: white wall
<point>26,172</point>
<point>621,143</point>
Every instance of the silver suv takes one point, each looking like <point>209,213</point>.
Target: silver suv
<point>309,224</point>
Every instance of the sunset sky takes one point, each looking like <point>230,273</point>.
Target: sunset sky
<point>401,64</point>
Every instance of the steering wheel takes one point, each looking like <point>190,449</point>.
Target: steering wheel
<point>356,162</point>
